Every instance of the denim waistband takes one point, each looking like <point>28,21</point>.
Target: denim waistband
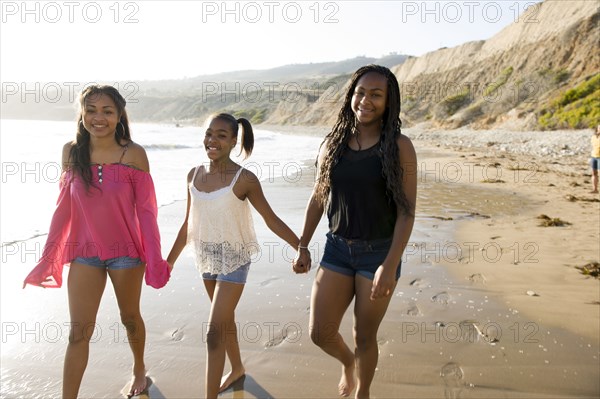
<point>378,242</point>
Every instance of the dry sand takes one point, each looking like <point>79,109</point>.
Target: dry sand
<point>461,323</point>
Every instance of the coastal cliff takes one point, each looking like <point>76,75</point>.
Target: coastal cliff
<point>540,72</point>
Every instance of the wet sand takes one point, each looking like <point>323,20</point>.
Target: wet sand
<point>489,305</point>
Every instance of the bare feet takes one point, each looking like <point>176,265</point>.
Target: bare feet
<point>347,384</point>
<point>138,385</point>
<point>229,379</point>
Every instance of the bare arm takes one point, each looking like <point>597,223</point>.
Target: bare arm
<point>312,217</point>
<point>385,278</point>
<point>257,198</point>
<point>181,239</point>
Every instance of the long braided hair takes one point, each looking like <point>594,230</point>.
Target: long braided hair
<point>79,155</point>
<point>337,140</point>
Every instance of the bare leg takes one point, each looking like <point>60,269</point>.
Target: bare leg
<point>128,288</point>
<point>85,287</point>
<point>595,180</point>
<point>367,318</point>
<point>232,348</point>
<point>331,295</point>
<point>221,324</point>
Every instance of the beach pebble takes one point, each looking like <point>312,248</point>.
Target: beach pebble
<point>532,293</point>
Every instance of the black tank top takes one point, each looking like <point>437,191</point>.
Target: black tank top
<point>359,206</point>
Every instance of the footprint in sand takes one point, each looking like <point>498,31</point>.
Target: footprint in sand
<point>268,281</point>
<point>453,377</point>
<point>418,282</point>
<point>177,335</point>
<point>477,278</point>
<point>413,310</point>
<point>277,339</point>
<point>442,298</point>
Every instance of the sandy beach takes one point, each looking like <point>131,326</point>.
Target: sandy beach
<point>489,305</point>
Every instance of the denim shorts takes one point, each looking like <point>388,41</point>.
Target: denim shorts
<point>122,262</point>
<point>238,276</point>
<point>351,257</point>
<point>595,163</point>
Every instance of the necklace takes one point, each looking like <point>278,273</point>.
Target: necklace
<point>355,133</point>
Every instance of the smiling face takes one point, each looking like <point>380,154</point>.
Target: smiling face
<point>219,140</point>
<point>370,99</point>
<point>100,116</point>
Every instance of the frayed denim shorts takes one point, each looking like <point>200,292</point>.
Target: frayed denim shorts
<point>122,262</point>
<point>352,257</point>
<point>238,276</point>
<point>595,163</point>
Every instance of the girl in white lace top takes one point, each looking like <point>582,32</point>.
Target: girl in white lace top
<point>218,223</point>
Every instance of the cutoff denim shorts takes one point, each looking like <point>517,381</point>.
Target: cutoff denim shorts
<point>595,163</point>
<point>351,257</point>
<point>122,262</point>
<point>238,276</point>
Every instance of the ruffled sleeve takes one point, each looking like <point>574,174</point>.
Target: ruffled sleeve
<point>157,269</point>
<point>48,272</point>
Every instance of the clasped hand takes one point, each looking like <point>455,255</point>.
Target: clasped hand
<point>302,261</point>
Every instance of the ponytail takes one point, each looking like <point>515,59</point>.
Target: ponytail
<point>247,138</point>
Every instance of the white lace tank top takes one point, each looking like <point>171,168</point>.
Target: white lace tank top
<point>220,229</point>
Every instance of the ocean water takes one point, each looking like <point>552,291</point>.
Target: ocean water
<point>30,153</point>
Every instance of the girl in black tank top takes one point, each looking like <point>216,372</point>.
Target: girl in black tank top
<point>360,206</point>
<point>367,184</point>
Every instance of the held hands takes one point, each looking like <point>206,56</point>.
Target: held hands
<point>384,283</point>
<point>301,264</point>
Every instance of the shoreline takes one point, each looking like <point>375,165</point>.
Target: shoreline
<point>313,130</point>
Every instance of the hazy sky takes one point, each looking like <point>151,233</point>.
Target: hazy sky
<point>54,41</point>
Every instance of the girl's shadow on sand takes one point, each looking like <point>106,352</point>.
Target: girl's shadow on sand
<point>249,385</point>
<point>243,386</point>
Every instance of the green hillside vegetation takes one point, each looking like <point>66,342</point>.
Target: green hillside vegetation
<point>455,102</point>
<point>499,82</point>
<point>254,115</point>
<point>576,108</point>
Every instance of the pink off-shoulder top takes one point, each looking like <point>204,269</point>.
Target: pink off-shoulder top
<point>115,217</point>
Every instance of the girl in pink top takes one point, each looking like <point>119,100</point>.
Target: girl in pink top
<point>106,201</point>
